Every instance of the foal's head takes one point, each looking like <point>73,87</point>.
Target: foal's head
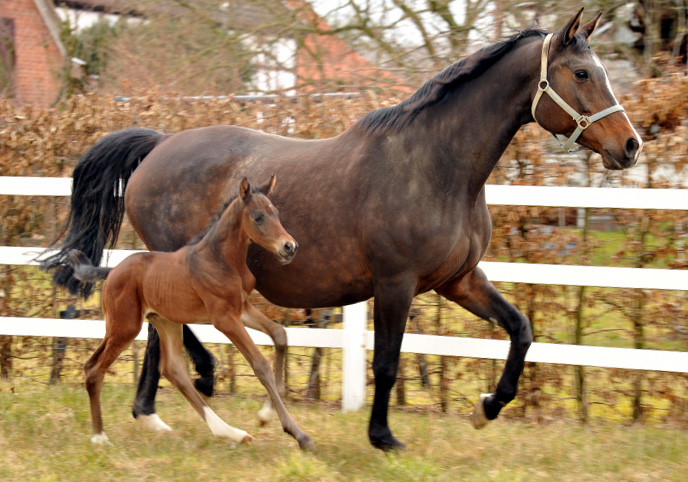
<point>261,221</point>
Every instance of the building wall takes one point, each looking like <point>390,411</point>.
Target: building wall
<point>37,57</point>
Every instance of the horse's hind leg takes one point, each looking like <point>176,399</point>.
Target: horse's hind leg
<point>203,361</point>
<point>172,366</point>
<point>236,332</point>
<point>119,333</point>
<point>144,403</point>
<point>253,318</point>
<point>475,293</point>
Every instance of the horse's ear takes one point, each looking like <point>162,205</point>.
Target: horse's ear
<point>245,190</point>
<point>569,30</point>
<point>590,27</point>
<point>269,186</point>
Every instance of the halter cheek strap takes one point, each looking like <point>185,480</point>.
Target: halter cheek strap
<point>582,121</point>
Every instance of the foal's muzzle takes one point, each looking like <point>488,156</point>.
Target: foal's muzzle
<point>287,251</point>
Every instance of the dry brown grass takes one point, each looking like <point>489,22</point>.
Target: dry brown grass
<point>44,435</point>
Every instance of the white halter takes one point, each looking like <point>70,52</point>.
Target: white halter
<point>582,121</point>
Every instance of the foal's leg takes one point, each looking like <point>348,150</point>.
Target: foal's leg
<point>475,293</point>
<point>121,329</point>
<point>144,404</point>
<point>172,366</point>
<point>235,331</point>
<point>253,318</point>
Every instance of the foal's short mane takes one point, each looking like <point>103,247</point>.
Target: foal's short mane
<point>218,214</point>
<point>434,90</point>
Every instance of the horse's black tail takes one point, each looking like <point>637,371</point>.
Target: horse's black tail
<point>83,269</point>
<point>97,203</point>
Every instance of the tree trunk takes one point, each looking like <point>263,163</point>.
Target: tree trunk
<point>5,357</point>
<point>401,383</point>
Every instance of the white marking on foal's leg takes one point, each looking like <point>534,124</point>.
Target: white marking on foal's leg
<point>153,422</point>
<point>100,439</point>
<point>222,429</point>
<point>479,418</point>
<point>266,413</point>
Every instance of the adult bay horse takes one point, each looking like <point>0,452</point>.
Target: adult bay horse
<point>391,208</point>
<point>206,280</point>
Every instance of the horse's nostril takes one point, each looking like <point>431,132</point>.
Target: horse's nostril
<point>289,247</point>
<point>632,146</point>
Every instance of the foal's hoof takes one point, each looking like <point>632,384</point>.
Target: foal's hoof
<point>306,444</point>
<point>479,419</point>
<point>247,439</point>
<point>100,439</point>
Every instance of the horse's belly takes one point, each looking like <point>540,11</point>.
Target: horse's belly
<point>314,279</point>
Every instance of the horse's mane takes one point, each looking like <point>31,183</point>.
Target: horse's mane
<point>435,89</point>
<point>218,214</point>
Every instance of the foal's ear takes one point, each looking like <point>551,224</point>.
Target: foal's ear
<point>268,187</point>
<point>590,27</point>
<point>569,30</point>
<point>245,190</point>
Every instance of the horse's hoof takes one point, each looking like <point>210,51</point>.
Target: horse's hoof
<point>100,439</point>
<point>306,444</point>
<point>388,444</point>
<point>478,418</point>
<point>153,422</point>
<point>264,415</point>
<point>247,439</point>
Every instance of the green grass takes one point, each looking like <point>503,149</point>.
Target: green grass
<point>45,436</point>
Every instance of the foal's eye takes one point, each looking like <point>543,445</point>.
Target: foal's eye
<point>581,74</point>
<point>258,218</point>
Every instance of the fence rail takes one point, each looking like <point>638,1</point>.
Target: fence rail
<point>354,339</point>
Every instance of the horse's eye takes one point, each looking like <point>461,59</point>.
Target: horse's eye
<point>258,218</point>
<point>581,75</point>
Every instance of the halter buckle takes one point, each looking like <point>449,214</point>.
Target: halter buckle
<point>583,122</point>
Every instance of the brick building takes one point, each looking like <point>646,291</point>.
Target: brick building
<point>31,53</point>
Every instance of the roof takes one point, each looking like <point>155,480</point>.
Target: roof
<point>238,13</point>
<point>51,21</point>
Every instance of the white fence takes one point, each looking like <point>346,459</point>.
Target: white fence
<point>354,339</point>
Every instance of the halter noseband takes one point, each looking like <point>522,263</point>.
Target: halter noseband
<point>582,121</point>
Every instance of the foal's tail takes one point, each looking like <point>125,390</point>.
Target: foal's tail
<point>97,204</point>
<point>83,269</point>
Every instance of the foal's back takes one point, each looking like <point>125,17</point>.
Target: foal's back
<point>155,281</point>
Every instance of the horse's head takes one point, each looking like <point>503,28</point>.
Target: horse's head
<point>262,222</point>
<point>574,97</point>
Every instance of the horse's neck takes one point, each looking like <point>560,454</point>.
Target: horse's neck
<point>469,131</point>
<point>227,237</point>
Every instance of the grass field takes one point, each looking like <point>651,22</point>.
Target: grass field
<point>45,436</point>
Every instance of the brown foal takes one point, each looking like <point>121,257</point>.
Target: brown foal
<point>205,281</point>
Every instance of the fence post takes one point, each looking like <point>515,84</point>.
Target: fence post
<point>355,319</point>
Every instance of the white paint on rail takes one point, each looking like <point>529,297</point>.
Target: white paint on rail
<point>624,358</point>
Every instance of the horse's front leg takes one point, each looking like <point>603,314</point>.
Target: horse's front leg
<point>392,302</point>
<point>476,294</point>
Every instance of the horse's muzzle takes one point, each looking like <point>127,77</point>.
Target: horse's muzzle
<point>287,252</point>
<point>623,160</point>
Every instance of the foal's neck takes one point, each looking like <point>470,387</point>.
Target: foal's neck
<point>227,239</point>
